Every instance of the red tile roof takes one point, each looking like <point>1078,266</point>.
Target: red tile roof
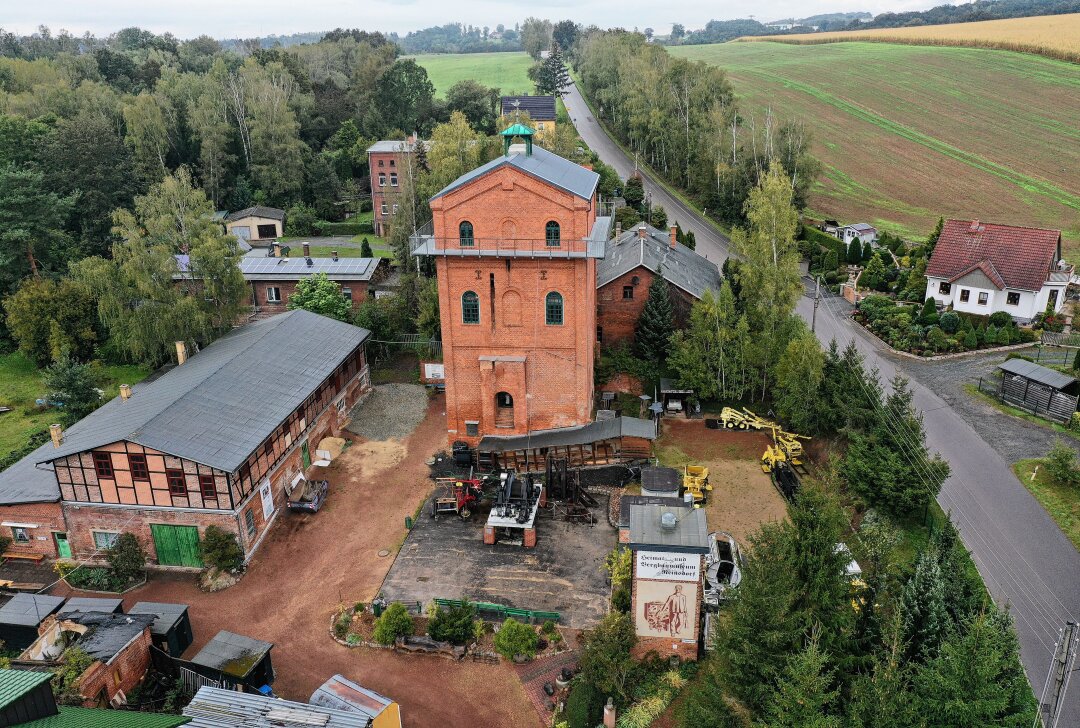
<point>1011,257</point>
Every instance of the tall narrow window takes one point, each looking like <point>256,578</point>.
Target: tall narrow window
<point>553,305</point>
<point>207,487</point>
<point>382,180</point>
<point>552,234</point>
<point>393,179</point>
<point>465,234</point>
<point>470,308</point>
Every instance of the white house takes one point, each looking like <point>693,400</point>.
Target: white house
<point>862,231</point>
<point>983,268</point>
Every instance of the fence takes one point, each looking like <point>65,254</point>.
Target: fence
<point>1055,338</point>
<point>524,615</point>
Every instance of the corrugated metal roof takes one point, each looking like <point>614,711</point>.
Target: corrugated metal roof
<point>691,533</point>
<point>217,708</point>
<point>232,654</point>
<point>261,268</point>
<point>1036,373</point>
<point>16,683</point>
<point>220,405</point>
<point>542,164</point>
<point>99,718</point>
<point>29,610</point>
<point>340,693</point>
<point>679,265</point>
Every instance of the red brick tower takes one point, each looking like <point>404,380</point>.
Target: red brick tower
<point>516,243</point>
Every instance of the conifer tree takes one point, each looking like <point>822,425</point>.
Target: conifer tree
<point>804,693</point>
<point>922,606</point>
<point>656,322</point>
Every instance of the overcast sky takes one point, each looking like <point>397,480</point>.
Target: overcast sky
<point>249,18</point>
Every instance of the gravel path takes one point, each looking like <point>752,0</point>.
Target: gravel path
<point>391,411</point>
<point>1014,438</point>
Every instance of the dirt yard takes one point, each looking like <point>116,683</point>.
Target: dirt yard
<point>310,564</point>
<point>743,497</point>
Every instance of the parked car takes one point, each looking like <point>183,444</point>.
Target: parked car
<point>308,495</point>
<point>674,406</point>
<point>723,568</point>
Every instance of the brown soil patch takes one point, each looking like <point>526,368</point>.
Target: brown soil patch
<point>311,564</point>
<point>701,443</point>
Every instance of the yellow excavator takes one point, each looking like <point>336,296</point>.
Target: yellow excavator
<point>744,419</point>
<point>696,482</point>
<point>785,448</point>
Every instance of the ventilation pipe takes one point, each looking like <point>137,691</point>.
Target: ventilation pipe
<point>618,229</point>
<point>307,250</point>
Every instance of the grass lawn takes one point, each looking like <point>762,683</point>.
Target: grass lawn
<point>907,133</point>
<point>20,385</point>
<point>508,72</point>
<point>1061,502</point>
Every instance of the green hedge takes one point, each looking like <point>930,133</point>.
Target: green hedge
<point>344,228</point>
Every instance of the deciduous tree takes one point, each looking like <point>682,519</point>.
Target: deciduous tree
<point>319,294</point>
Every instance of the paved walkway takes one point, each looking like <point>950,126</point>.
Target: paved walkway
<point>1024,559</point>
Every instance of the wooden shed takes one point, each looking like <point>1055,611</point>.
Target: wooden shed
<point>21,617</point>
<point>237,660</point>
<point>92,604</point>
<point>1043,391</point>
<point>171,631</point>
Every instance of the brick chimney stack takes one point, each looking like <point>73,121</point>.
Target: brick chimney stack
<point>125,391</point>
<point>307,250</point>
<point>181,353</point>
<point>333,254</point>
<point>641,231</point>
<point>56,432</point>
<point>609,714</point>
<point>673,232</point>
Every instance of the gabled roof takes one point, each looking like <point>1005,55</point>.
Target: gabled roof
<point>224,401</point>
<point>70,717</point>
<point>542,164</point>
<point>862,227</point>
<point>679,265</point>
<point>262,268</point>
<point>1036,373</point>
<point>395,145</point>
<point>16,683</point>
<point>217,708</point>
<point>1023,257</point>
<point>539,108</point>
<point>232,654</point>
<point>257,211</point>
<point>987,269</point>
<point>340,693</point>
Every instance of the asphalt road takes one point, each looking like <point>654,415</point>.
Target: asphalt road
<point>1024,559</point>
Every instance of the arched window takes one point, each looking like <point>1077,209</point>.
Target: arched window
<point>465,234</point>
<point>553,309</point>
<point>552,234</point>
<point>470,308</point>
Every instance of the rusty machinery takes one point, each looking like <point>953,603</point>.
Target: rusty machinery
<point>564,486</point>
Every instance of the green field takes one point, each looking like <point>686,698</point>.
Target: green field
<point>908,133</point>
<point>508,72</point>
<point>20,385</point>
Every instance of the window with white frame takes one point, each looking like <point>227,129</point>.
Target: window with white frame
<point>384,209</point>
<point>395,209</point>
<point>105,539</point>
<point>347,292</point>
<point>382,179</point>
<point>393,179</point>
<point>273,294</point>
<point>983,298</point>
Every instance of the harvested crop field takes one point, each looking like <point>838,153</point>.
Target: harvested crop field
<point>908,133</point>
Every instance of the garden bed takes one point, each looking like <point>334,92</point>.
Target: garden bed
<point>99,580</point>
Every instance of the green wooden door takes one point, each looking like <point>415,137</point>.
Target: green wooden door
<point>305,454</point>
<point>63,548</point>
<point>176,545</point>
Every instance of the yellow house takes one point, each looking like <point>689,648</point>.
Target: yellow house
<point>256,224</point>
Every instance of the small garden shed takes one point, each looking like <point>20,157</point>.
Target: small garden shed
<point>21,617</point>
<point>1043,391</point>
<point>92,604</point>
<point>171,631</point>
<point>234,659</point>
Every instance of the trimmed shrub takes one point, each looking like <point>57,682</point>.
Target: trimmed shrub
<point>127,559</point>
<point>344,228</point>
<point>393,623</point>
<point>1000,318</point>
<point>220,549</point>
<point>300,220</point>
<point>949,322</point>
<point>452,625</point>
<point>515,638</point>
<point>584,706</point>
<point>620,600</point>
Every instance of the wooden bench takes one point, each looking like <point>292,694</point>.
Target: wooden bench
<point>25,555</point>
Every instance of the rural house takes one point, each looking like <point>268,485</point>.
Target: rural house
<point>256,224</point>
<point>861,231</point>
<point>623,277</point>
<point>215,441</point>
<point>541,110</point>
<point>983,268</point>
<point>388,163</point>
<point>273,279</point>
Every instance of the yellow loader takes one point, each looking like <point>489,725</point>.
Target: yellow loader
<point>696,483</point>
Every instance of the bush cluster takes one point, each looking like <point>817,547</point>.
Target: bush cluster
<point>924,331</point>
<point>393,623</point>
<point>453,624</point>
<point>220,549</point>
<point>516,638</point>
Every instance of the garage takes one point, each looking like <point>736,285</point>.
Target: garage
<point>176,545</point>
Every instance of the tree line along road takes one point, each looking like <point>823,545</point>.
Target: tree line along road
<point>1023,557</point>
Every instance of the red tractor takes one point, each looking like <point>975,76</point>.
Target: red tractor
<point>463,495</point>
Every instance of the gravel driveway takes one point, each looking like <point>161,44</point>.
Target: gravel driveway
<point>391,411</point>
<point>1014,438</point>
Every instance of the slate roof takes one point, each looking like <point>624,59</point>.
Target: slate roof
<point>262,268</point>
<point>1022,257</point>
<point>224,401</point>
<point>232,654</point>
<point>108,634</point>
<point>165,615</point>
<point>105,605</point>
<point>1036,373</point>
<point>542,164</point>
<point>16,683</point>
<point>680,266</point>
<point>257,211</point>
<point>539,108</point>
<point>217,708</point>
<point>562,436</point>
<point>29,610</point>
<point>26,482</point>
<point>691,534</point>
<point>70,717</point>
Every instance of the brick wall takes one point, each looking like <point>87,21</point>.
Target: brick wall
<point>48,517</point>
<point>392,162</point>
<point>127,670</point>
<point>618,316</point>
<point>287,288</point>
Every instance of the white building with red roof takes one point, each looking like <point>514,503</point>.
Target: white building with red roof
<point>983,268</point>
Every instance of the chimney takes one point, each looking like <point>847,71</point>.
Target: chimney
<point>181,353</point>
<point>125,391</point>
<point>641,231</point>
<point>275,250</point>
<point>618,229</point>
<point>674,230</point>
<point>56,432</point>
<point>333,254</point>
<point>307,250</point>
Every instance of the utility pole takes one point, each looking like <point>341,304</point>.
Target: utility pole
<point>817,300</point>
<point>1062,666</point>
